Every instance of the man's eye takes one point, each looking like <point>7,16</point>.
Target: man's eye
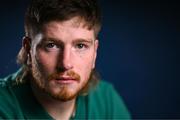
<point>81,46</point>
<point>50,45</point>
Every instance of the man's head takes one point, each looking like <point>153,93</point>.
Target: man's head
<point>59,50</point>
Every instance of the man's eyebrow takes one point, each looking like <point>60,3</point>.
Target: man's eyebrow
<point>52,40</point>
<point>90,41</point>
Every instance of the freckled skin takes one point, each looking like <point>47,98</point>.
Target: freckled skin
<point>61,48</point>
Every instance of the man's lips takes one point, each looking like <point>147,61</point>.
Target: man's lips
<point>66,80</point>
<point>65,77</point>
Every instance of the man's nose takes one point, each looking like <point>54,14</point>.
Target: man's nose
<point>66,60</point>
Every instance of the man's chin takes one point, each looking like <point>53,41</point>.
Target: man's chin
<point>62,95</point>
<point>64,98</point>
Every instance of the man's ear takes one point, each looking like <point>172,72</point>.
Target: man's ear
<point>26,44</point>
<point>95,54</point>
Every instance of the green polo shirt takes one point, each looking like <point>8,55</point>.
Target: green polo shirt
<point>18,102</point>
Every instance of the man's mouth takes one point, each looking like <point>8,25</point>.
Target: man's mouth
<point>66,80</point>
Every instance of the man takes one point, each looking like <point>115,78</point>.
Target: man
<point>57,79</point>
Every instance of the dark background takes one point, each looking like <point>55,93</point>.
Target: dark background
<point>139,51</point>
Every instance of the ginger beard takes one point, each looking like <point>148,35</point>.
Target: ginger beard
<point>62,92</point>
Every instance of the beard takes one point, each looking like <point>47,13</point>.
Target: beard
<point>62,92</point>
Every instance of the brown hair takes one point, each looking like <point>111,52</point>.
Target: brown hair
<point>41,12</point>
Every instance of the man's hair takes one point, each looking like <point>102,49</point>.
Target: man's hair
<point>41,12</point>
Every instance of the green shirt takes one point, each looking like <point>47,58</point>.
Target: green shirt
<point>18,102</point>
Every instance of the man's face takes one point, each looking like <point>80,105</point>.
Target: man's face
<point>63,55</point>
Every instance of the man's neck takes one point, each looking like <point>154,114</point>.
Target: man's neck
<point>58,110</point>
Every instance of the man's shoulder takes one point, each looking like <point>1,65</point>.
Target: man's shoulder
<point>8,87</point>
<point>6,96</point>
<point>104,84</point>
<point>5,86</point>
<point>102,93</point>
<point>103,88</point>
<point>6,81</point>
<point>108,102</point>
<point>9,105</point>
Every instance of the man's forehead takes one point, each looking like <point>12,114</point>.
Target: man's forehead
<point>67,29</point>
<point>75,22</point>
